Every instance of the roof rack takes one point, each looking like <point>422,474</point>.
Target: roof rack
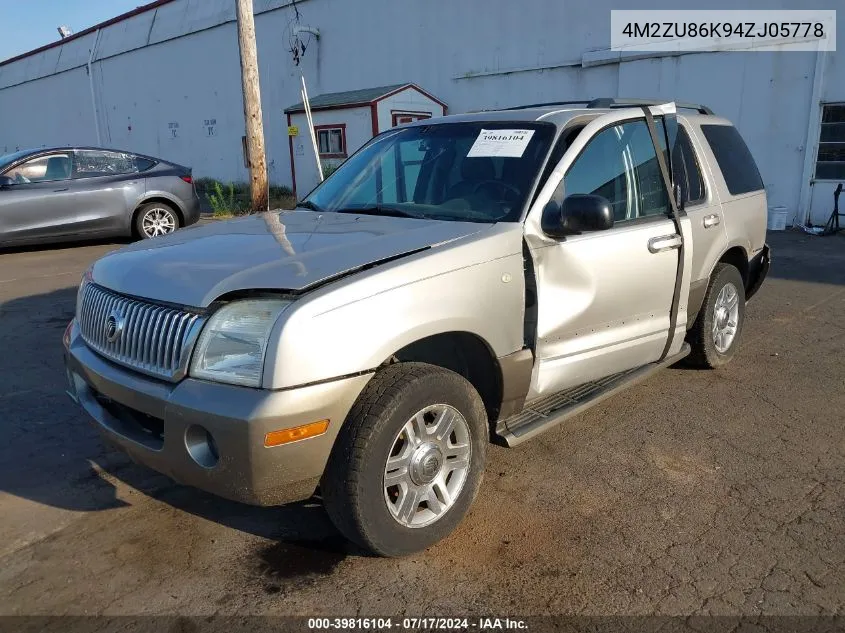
<point>605,102</point>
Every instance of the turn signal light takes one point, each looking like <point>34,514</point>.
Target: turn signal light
<point>285,436</point>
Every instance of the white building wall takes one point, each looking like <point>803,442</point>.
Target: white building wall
<point>179,64</point>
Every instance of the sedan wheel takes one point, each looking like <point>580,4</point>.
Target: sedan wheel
<point>158,220</point>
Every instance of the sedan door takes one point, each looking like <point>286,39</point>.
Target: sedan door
<point>38,204</point>
<point>106,188</point>
<point>605,298</point>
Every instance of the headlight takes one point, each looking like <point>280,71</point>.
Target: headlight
<point>232,344</point>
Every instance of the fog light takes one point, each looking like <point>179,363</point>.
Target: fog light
<point>201,446</point>
<point>285,436</point>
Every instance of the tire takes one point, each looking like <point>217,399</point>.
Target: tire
<point>354,486</point>
<point>154,219</point>
<point>706,353</point>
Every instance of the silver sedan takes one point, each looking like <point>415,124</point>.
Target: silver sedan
<point>84,192</point>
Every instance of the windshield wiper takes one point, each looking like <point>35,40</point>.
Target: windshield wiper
<point>381,210</point>
<point>307,204</point>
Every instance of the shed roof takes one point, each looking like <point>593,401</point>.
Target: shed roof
<point>363,97</point>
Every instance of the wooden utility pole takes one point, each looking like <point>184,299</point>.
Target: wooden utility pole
<point>252,108</point>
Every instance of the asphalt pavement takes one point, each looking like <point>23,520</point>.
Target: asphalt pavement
<point>696,492</point>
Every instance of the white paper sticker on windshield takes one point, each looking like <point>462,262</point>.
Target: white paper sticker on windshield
<point>506,143</point>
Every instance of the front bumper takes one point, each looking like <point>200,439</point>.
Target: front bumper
<point>758,269</point>
<point>160,425</point>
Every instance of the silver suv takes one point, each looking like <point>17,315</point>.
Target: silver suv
<point>472,278</point>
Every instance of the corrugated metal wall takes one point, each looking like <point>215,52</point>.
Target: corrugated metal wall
<point>166,82</point>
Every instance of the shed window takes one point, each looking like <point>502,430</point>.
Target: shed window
<point>400,118</point>
<point>331,140</point>
<point>830,162</point>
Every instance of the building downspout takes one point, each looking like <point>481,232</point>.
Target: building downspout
<point>812,143</point>
<point>91,86</point>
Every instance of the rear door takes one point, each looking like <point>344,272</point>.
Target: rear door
<point>701,201</point>
<point>740,186</point>
<point>106,188</point>
<point>605,298</point>
<point>39,204</point>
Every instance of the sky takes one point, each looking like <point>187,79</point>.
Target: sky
<point>28,24</point>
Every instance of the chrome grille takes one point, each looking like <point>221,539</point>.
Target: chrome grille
<point>152,338</point>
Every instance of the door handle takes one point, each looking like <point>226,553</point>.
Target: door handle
<point>711,220</point>
<point>664,243</point>
<point>57,190</point>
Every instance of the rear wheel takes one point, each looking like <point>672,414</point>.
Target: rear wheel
<point>408,461</point>
<point>714,338</point>
<point>154,219</point>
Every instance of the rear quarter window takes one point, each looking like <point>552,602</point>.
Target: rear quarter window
<point>143,164</point>
<point>734,159</point>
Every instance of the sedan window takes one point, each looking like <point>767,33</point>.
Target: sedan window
<point>42,169</point>
<point>92,163</point>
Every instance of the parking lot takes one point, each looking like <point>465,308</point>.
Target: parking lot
<point>695,492</point>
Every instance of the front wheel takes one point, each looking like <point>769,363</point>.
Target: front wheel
<point>714,338</point>
<point>408,461</point>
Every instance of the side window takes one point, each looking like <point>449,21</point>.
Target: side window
<point>91,163</point>
<point>734,159</point>
<point>563,143</point>
<point>331,140</point>
<point>620,164</point>
<point>830,161</point>
<point>687,170</point>
<point>402,117</point>
<point>43,169</point>
<point>143,164</point>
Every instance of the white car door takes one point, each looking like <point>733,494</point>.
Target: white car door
<point>606,300</point>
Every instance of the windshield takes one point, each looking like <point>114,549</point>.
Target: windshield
<point>477,172</point>
<point>8,159</point>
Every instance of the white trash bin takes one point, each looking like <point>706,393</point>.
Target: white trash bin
<point>777,219</point>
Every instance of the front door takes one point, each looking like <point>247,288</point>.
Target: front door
<point>604,298</point>
<point>38,204</point>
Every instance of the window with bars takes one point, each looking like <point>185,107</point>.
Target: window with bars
<point>830,162</point>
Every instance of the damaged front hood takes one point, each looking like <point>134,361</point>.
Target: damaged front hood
<point>293,250</point>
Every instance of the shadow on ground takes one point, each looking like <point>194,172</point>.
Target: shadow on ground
<point>53,455</point>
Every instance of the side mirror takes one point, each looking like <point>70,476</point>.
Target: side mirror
<point>579,212</point>
<point>5,181</point>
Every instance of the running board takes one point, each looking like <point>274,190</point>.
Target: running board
<point>548,412</point>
